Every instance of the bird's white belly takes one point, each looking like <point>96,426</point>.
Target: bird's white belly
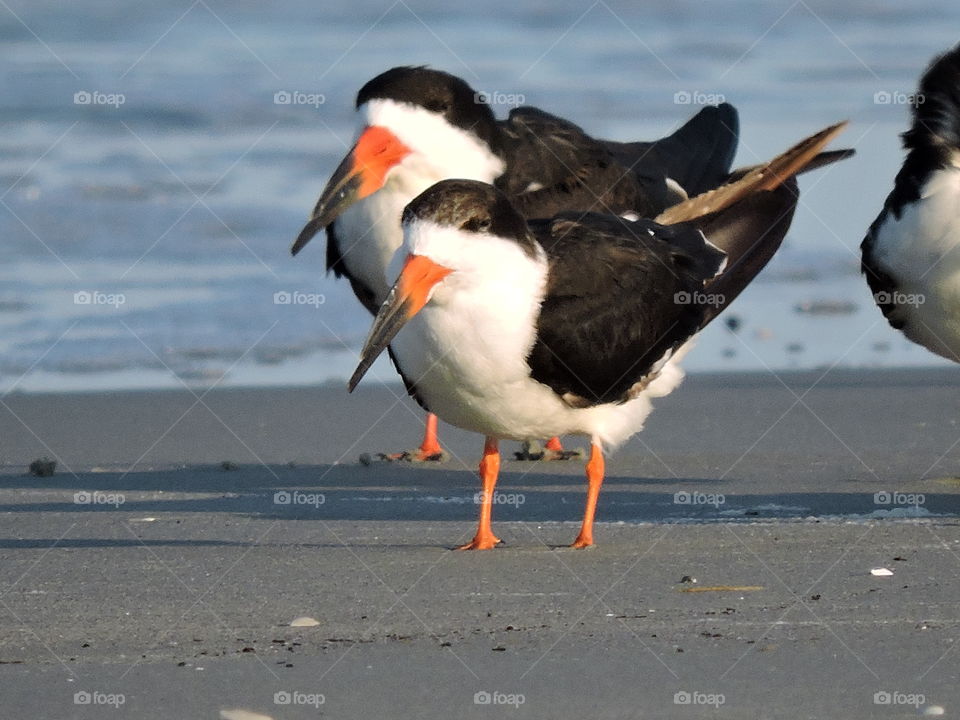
<point>921,252</point>
<point>471,370</point>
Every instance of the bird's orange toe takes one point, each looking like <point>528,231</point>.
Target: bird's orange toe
<point>482,542</point>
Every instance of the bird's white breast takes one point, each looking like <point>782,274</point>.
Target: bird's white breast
<point>921,252</point>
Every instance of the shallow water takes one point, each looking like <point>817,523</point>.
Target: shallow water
<point>174,210</point>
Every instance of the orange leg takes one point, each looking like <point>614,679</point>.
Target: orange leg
<point>554,444</point>
<point>594,481</point>
<point>430,447</point>
<point>489,469</point>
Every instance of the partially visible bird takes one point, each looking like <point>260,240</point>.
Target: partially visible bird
<point>569,325</point>
<point>911,254</point>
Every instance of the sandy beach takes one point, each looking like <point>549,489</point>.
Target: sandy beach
<point>159,564</point>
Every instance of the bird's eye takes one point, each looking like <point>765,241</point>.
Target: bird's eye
<point>476,224</point>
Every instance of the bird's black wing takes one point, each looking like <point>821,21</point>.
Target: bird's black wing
<point>620,297</point>
<point>553,166</point>
<point>698,156</point>
<point>749,233</point>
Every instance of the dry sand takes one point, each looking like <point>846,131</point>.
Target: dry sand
<point>173,588</point>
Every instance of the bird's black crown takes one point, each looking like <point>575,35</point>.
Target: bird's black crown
<point>937,105</point>
<point>471,206</point>
<point>438,92</point>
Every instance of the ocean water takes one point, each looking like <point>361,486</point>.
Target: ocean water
<point>151,184</point>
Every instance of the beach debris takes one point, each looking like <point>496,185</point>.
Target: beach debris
<point>723,588</point>
<point>826,307</point>
<point>733,322</point>
<point>144,519</point>
<point>881,572</point>
<point>43,467</point>
<point>304,621</point>
<point>241,714</point>
<point>365,459</point>
<point>795,347</point>
<point>229,466</point>
<point>933,710</point>
<point>688,579</point>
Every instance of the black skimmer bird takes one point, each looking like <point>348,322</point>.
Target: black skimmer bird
<point>569,325</point>
<point>911,254</point>
<point>418,126</point>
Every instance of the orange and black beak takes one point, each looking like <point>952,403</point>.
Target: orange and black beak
<point>361,173</point>
<point>407,297</point>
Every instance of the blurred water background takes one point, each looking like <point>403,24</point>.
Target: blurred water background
<point>152,179</point>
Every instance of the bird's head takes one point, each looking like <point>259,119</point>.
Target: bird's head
<point>416,126</point>
<point>455,233</point>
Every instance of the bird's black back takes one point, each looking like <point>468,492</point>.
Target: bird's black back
<point>619,298</point>
<point>574,172</point>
